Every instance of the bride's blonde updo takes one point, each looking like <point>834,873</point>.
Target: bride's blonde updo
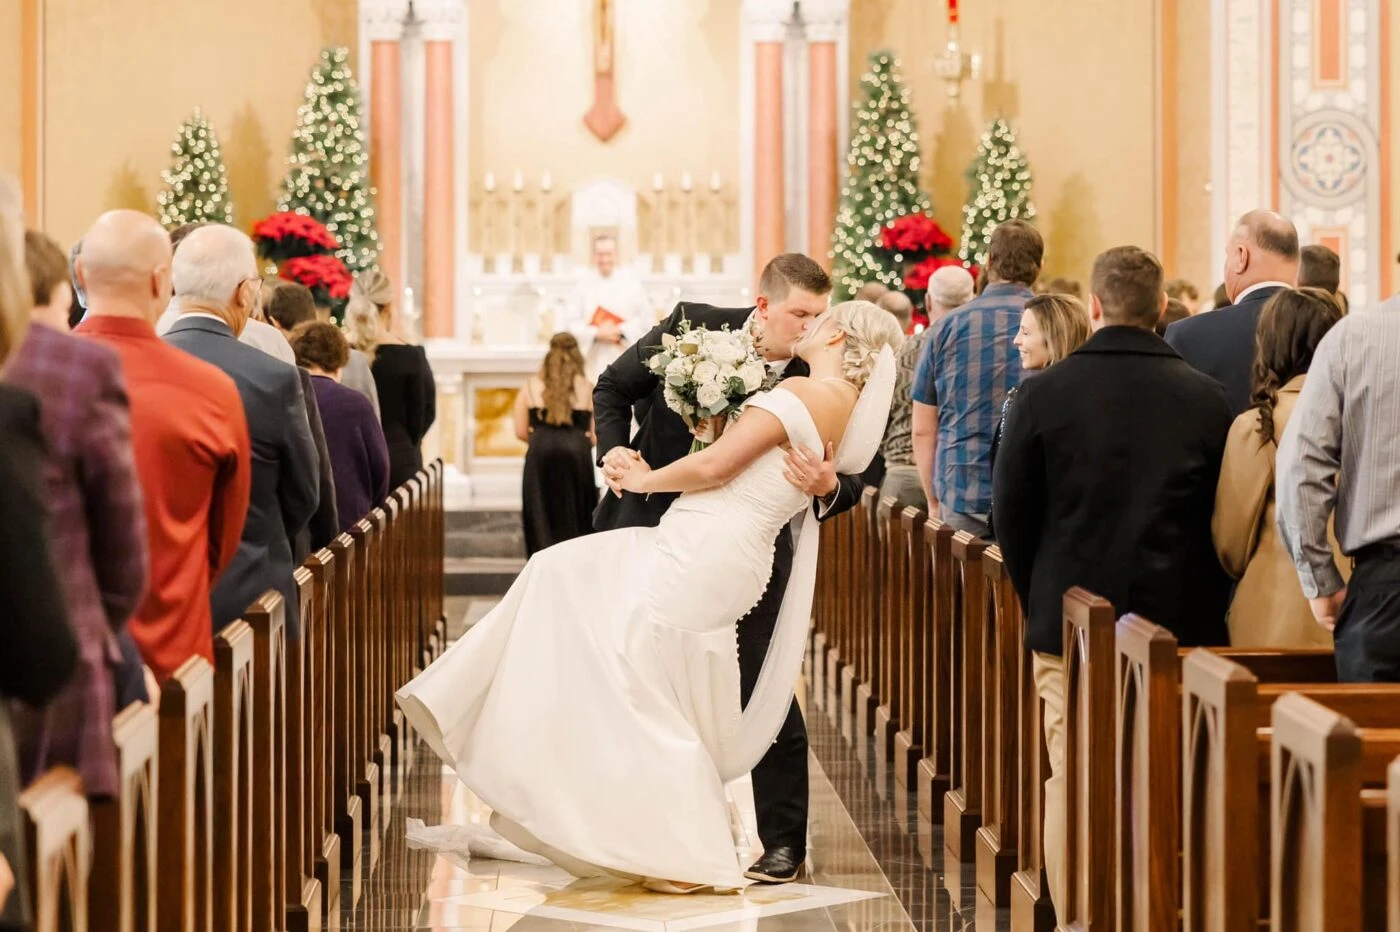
<point>868,330</point>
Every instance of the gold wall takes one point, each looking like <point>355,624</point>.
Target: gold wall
<point>118,84</point>
<point>677,69</point>
<point>1077,81</point>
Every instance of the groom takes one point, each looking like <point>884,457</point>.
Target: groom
<point>792,291</point>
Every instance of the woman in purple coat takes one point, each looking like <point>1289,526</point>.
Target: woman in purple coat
<point>359,456</point>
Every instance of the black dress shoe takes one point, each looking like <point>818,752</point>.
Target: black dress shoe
<point>778,865</point>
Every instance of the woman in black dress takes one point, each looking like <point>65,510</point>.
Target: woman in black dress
<point>554,415</point>
<point>407,392</point>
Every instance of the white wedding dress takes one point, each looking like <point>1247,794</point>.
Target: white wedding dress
<point>596,709</point>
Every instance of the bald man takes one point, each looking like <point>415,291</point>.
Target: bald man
<point>187,426</point>
<point>1261,259</point>
<point>216,281</point>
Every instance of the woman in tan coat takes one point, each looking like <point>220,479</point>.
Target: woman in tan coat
<point>1269,610</point>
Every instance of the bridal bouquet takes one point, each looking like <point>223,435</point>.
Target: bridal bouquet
<point>708,375</point>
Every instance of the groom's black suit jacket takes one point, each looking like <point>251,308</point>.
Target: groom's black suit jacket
<point>628,389</point>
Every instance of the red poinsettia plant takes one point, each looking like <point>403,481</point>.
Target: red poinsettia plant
<point>914,236</point>
<point>326,276</point>
<point>290,235</point>
<point>916,278</point>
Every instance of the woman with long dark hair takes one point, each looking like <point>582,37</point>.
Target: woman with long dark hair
<point>554,415</point>
<point>1269,609</point>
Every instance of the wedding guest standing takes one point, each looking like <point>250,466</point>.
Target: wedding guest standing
<point>189,433</point>
<point>407,393</point>
<point>39,650</point>
<point>290,304</point>
<point>554,415</point>
<point>1269,609</point>
<point>359,457</point>
<point>97,533</point>
<point>1052,327</point>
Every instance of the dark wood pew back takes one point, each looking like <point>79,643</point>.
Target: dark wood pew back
<point>124,829</point>
<point>1004,652</point>
<point>962,810</point>
<point>184,824</point>
<point>58,844</point>
<point>234,781</point>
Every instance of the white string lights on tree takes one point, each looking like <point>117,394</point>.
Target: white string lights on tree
<point>882,179</point>
<point>329,173</point>
<point>1000,179</point>
<point>196,184</point>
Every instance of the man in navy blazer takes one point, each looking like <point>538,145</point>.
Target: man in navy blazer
<point>216,286</point>
<point>1261,259</point>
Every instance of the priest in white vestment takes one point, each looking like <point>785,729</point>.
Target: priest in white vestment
<point>608,310</point>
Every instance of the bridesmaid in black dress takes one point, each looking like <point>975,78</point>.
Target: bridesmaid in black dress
<point>554,415</point>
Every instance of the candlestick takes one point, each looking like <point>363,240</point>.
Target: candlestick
<point>546,182</point>
<point>685,182</point>
<point>519,181</point>
<point>657,182</point>
<point>714,181</point>
<point>490,182</point>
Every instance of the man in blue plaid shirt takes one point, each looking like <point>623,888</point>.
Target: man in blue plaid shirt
<point>969,365</point>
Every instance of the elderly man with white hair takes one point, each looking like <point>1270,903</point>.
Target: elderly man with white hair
<point>216,280</point>
<point>948,288</point>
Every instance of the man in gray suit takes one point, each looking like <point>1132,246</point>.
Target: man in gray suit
<point>216,280</point>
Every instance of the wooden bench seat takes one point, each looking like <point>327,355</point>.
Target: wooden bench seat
<point>124,829</point>
<point>185,824</point>
<point>58,843</point>
<point>234,835</point>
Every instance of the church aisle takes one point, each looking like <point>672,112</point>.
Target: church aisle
<point>849,888</point>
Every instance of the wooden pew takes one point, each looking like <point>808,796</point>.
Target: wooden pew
<point>1392,835</point>
<point>366,773</point>
<point>962,806</point>
<point>1089,679</point>
<point>437,542</point>
<point>124,830</point>
<point>315,586</point>
<point>867,579</point>
<point>935,670</point>
<point>1225,829</point>
<point>856,672</point>
<point>913,608</point>
<point>1328,814</point>
<point>267,618</point>
<point>837,654</point>
<point>1031,907</point>
<point>892,587</point>
<point>58,844</point>
<point>1004,652</point>
<point>1148,815</point>
<point>304,891</point>
<point>234,837</point>
<point>346,802</point>
<point>184,825</point>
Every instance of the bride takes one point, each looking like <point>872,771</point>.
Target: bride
<point>596,709</point>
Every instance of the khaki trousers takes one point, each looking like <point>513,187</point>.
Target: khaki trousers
<point>1049,673</point>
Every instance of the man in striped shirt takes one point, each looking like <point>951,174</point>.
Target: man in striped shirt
<point>969,364</point>
<point>1340,456</point>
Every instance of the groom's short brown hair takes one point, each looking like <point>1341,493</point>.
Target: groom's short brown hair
<point>792,270</point>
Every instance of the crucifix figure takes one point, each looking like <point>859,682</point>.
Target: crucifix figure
<point>604,118</point>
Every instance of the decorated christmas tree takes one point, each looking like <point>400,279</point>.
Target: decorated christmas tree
<point>329,174</point>
<point>196,185</point>
<point>882,180</point>
<point>1000,182</point>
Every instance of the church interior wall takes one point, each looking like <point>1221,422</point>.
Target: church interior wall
<point>677,70</point>
<point>10,145</point>
<point>120,76</point>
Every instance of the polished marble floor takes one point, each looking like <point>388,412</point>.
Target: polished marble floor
<point>866,869</point>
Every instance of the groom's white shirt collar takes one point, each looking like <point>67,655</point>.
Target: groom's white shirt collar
<point>777,365</point>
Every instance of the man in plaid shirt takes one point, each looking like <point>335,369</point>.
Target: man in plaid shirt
<point>968,366</point>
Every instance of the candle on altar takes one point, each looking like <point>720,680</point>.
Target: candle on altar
<point>490,182</point>
<point>685,181</point>
<point>546,182</point>
<point>952,11</point>
<point>519,181</point>
<point>714,181</point>
<point>657,182</point>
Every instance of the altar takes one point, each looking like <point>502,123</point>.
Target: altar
<point>517,295</point>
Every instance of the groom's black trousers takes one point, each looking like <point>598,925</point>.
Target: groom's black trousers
<point>780,779</point>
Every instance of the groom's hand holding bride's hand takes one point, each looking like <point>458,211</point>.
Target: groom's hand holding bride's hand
<point>617,462</point>
<point>633,474</point>
<point>814,474</point>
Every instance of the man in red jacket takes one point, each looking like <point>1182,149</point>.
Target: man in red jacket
<point>188,430</point>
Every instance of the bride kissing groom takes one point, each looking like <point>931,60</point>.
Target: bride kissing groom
<point>602,706</point>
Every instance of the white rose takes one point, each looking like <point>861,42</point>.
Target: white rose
<point>706,371</point>
<point>728,353</point>
<point>753,374</point>
<point>709,395</point>
<point>726,373</point>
